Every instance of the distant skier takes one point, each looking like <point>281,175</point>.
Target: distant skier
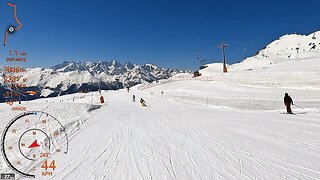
<point>143,102</point>
<point>101,99</point>
<point>288,102</point>
<point>133,98</point>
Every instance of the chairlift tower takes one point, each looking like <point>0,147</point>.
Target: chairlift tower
<point>223,45</point>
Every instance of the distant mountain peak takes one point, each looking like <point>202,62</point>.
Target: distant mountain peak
<point>72,76</point>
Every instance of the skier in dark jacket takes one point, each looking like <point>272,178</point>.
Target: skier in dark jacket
<point>143,103</point>
<point>288,102</point>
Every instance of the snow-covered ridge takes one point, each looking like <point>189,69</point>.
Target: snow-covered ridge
<point>289,53</point>
<point>283,54</point>
<point>290,61</point>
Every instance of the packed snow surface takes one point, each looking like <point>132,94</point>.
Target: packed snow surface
<point>195,130</point>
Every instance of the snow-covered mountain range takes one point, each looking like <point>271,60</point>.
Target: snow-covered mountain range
<point>70,77</point>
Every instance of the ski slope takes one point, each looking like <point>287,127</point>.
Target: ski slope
<point>197,130</point>
<point>179,138</point>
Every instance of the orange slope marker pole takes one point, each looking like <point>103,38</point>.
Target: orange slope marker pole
<point>17,20</point>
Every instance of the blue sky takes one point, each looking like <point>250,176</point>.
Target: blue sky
<point>167,33</point>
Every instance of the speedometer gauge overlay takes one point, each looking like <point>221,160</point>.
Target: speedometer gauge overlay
<point>30,141</point>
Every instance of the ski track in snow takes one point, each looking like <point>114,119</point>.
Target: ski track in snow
<point>178,138</point>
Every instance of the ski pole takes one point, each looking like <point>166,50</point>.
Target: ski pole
<point>298,106</point>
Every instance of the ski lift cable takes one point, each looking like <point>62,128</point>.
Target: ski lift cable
<point>200,60</point>
<point>197,57</point>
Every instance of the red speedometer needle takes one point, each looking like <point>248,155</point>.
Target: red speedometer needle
<point>34,144</point>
